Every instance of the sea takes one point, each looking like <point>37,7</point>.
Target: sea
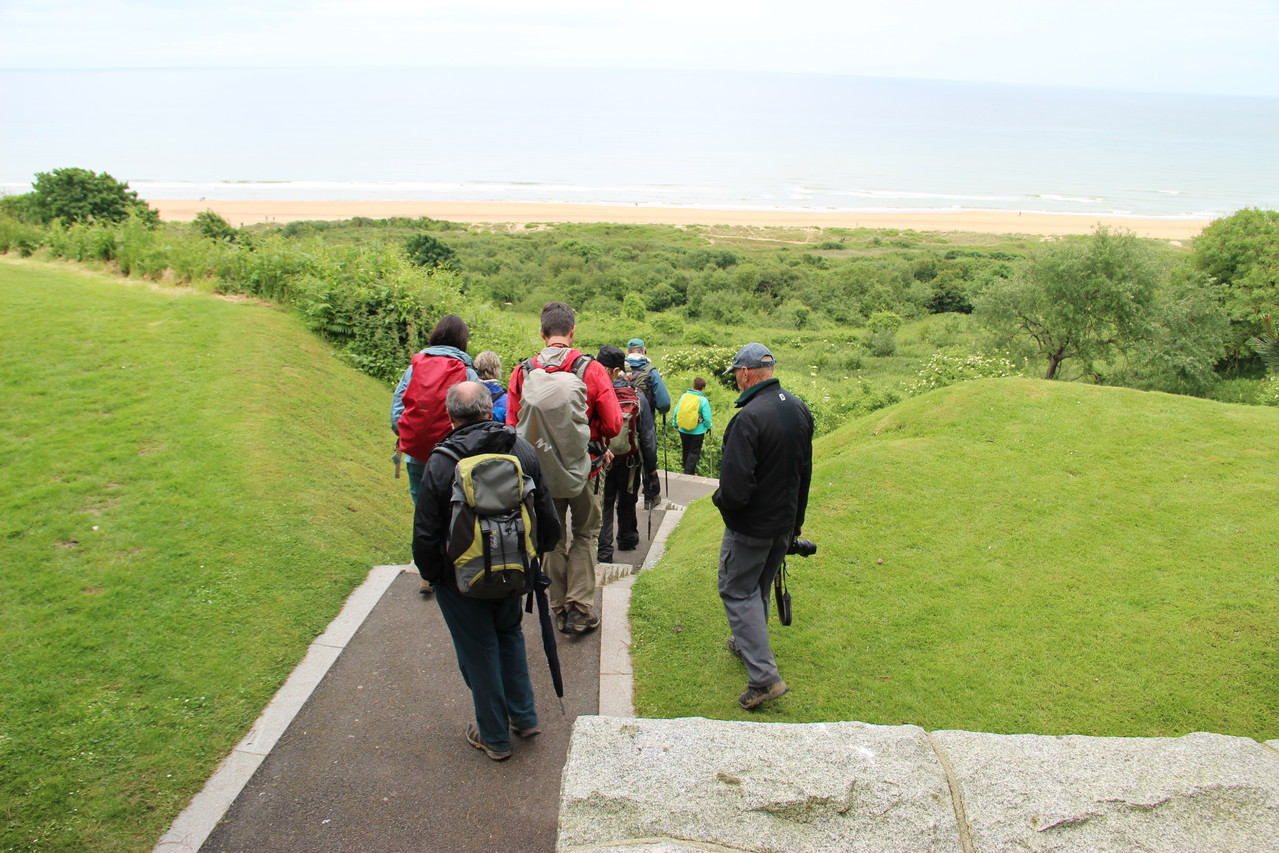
<point>725,140</point>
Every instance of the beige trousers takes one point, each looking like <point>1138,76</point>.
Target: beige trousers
<point>571,566</point>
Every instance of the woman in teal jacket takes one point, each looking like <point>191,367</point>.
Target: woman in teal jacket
<point>691,439</point>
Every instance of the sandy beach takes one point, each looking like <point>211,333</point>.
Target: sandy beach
<point>247,212</point>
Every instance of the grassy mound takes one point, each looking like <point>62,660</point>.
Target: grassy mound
<point>1056,559</point>
<point>190,489</point>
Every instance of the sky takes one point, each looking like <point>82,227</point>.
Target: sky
<point>1222,47</point>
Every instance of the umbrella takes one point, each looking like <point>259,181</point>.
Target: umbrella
<point>548,630</point>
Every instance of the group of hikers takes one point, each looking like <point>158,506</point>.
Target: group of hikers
<point>524,489</point>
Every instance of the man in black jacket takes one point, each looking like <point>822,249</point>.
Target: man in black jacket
<point>487,635</point>
<point>762,497</point>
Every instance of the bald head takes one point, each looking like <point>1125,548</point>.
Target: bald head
<point>468,403</point>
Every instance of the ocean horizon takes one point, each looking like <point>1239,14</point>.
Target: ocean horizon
<point>719,140</point>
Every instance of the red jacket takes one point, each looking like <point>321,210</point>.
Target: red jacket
<point>603,414</point>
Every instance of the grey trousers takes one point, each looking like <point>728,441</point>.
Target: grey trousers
<point>747,566</point>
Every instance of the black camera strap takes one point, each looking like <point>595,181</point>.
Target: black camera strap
<point>782,593</point>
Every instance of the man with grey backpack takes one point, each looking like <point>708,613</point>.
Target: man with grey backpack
<point>483,482</point>
<point>562,403</point>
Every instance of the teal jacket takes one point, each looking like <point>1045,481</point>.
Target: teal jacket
<point>704,413</point>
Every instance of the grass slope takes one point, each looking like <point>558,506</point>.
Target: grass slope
<point>190,489</point>
<point>1057,559</point>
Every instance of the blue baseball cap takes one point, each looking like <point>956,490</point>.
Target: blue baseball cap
<point>635,343</point>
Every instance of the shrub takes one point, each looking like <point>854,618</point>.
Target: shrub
<point>948,368</point>
<point>706,361</point>
<point>21,237</point>
<point>211,225</point>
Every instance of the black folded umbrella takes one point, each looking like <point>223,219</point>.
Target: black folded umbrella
<point>548,631</point>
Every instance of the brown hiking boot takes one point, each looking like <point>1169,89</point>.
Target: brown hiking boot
<point>756,696</point>
<point>581,621</point>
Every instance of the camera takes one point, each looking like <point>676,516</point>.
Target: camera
<point>801,547</point>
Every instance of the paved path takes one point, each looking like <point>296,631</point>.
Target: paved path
<point>367,752</point>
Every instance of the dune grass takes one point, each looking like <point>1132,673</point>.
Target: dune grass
<point>1056,559</point>
<point>189,489</point>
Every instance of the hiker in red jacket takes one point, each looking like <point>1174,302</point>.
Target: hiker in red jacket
<point>562,402</point>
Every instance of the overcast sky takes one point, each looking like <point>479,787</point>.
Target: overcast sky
<point>1222,47</point>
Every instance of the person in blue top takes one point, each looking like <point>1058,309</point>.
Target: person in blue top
<point>488,365</point>
<point>691,437</point>
<point>645,378</point>
<point>447,343</point>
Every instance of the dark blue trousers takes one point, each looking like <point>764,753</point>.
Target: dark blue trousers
<point>489,643</point>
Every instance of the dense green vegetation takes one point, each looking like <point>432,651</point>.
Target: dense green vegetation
<point>189,489</point>
<point>1007,555</point>
<point>159,449</point>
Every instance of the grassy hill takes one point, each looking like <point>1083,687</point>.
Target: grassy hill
<point>1056,558</point>
<point>191,487</point>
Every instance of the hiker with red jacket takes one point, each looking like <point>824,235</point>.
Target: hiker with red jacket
<point>418,415</point>
<point>634,460</point>
<point>562,402</point>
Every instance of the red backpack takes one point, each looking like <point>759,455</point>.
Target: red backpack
<point>424,420</point>
<point>626,442</point>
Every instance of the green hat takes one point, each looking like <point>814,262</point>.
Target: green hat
<point>635,343</point>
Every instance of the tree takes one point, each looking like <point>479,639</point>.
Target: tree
<point>1241,251</point>
<point>76,195</point>
<point>426,251</point>
<point>1082,300</point>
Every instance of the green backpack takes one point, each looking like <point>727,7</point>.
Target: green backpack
<point>491,525</point>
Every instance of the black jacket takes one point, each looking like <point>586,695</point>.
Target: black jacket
<point>767,463</point>
<point>434,496</point>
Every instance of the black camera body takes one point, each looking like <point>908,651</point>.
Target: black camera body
<point>801,547</point>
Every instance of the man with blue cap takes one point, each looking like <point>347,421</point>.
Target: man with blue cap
<point>762,496</point>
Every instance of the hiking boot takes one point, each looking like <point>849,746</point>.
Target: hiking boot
<point>531,731</point>
<point>426,589</point>
<point>733,647</point>
<point>756,696</point>
<point>474,739</point>
<point>601,557</point>
<point>582,621</point>
<point>561,622</point>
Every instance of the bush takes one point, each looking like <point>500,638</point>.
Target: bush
<point>21,237</point>
<point>211,225</point>
<point>703,361</point>
<point>949,368</point>
<point>79,195</point>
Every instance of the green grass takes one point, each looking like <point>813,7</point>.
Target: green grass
<point>1057,559</point>
<point>189,489</point>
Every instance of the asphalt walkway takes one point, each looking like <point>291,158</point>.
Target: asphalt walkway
<point>363,748</point>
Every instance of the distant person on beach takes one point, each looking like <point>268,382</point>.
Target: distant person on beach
<point>634,462</point>
<point>692,416</point>
<point>762,496</point>
<point>487,635</point>
<point>562,402</point>
<point>418,417</point>
<point>489,366</point>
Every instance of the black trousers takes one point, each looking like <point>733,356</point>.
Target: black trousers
<point>622,485</point>
<point>692,447</point>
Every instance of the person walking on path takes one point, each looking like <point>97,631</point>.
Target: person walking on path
<point>563,403</point>
<point>762,497</point>
<point>488,365</point>
<point>418,417</point>
<point>645,376</point>
<point>692,416</point>
<point>634,464</point>
<point>487,635</point>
